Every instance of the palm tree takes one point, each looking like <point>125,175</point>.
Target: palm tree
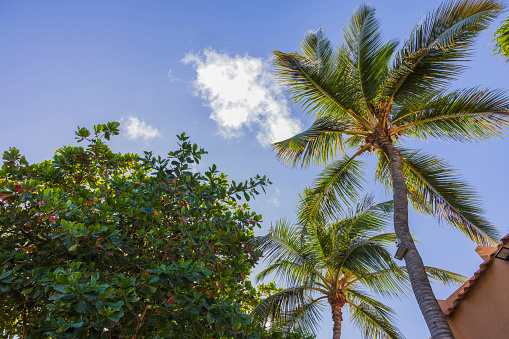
<point>336,262</point>
<point>367,97</point>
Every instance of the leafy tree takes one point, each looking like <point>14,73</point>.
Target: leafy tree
<point>336,263</point>
<point>98,244</point>
<point>502,39</point>
<point>367,97</point>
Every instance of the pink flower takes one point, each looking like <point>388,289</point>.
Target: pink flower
<point>19,188</point>
<point>39,203</point>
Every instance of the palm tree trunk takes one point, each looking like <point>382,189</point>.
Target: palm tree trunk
<point>337,316</point>
<point>433,315</point>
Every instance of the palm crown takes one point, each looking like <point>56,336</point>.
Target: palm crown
<point>338,263</point>
<point>365,93</point>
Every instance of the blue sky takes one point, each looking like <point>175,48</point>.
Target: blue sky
<point>163,67</point>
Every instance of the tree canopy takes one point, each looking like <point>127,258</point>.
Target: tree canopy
<point>101,244</point>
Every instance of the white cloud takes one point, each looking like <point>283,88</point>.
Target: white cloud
<point>172,77</point>
<point>241,91</point>
<point>274,200</point>
<point>136,129</point>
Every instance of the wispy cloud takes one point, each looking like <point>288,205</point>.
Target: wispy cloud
<point>171,76</point>
<point>241,91</point>
<point>137,129</point>
<point>274,200</point>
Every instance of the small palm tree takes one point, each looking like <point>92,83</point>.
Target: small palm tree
<point>367,97</point>
<point>336,263</point>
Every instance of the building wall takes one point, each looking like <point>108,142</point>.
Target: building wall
<point>484,311</point>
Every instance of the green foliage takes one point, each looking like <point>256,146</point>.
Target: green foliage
<point>502,39</point>
<point>98,244</point>
<point>368,91</point>
<point>368,96</point>
<point>346,259</point>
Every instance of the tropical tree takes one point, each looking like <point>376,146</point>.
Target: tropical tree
<point>338,263</point>
<point>502,39</point>
<point>96,244</point>
<point>367,97</point>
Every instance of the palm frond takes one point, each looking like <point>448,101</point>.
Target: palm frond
<point>366,53</point>
<point>374,319</point>
<point>464,115</point>
<point>361,257</point>
<point>443,276</point>
<point>316,145</point>
<point>317,48</point>
<point>394,282</point>
<point>366,218</point>
<point>391,282</point>
<point>291,273</point>
<point>289,307</point>
<point>434,188</point>
<point>319,239</point>
<point>337,185</point>
<point>502,39</point>
<point>319,82</point>
<point>431,57</point>
<point>384,239</point>
<point>289,259</point>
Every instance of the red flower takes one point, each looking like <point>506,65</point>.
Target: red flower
<point>146,272</point>
<point>39,203</point>
<point>243,275</point>
<point>183,220</point>
<point>19,188</point>
<point>52,218</point>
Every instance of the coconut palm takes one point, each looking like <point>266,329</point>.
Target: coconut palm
<point>366,97</point>
<point>339,263</point>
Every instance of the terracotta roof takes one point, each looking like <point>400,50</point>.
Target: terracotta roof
<point>463,290</point>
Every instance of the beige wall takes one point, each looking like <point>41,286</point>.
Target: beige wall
<point>484,311</point>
